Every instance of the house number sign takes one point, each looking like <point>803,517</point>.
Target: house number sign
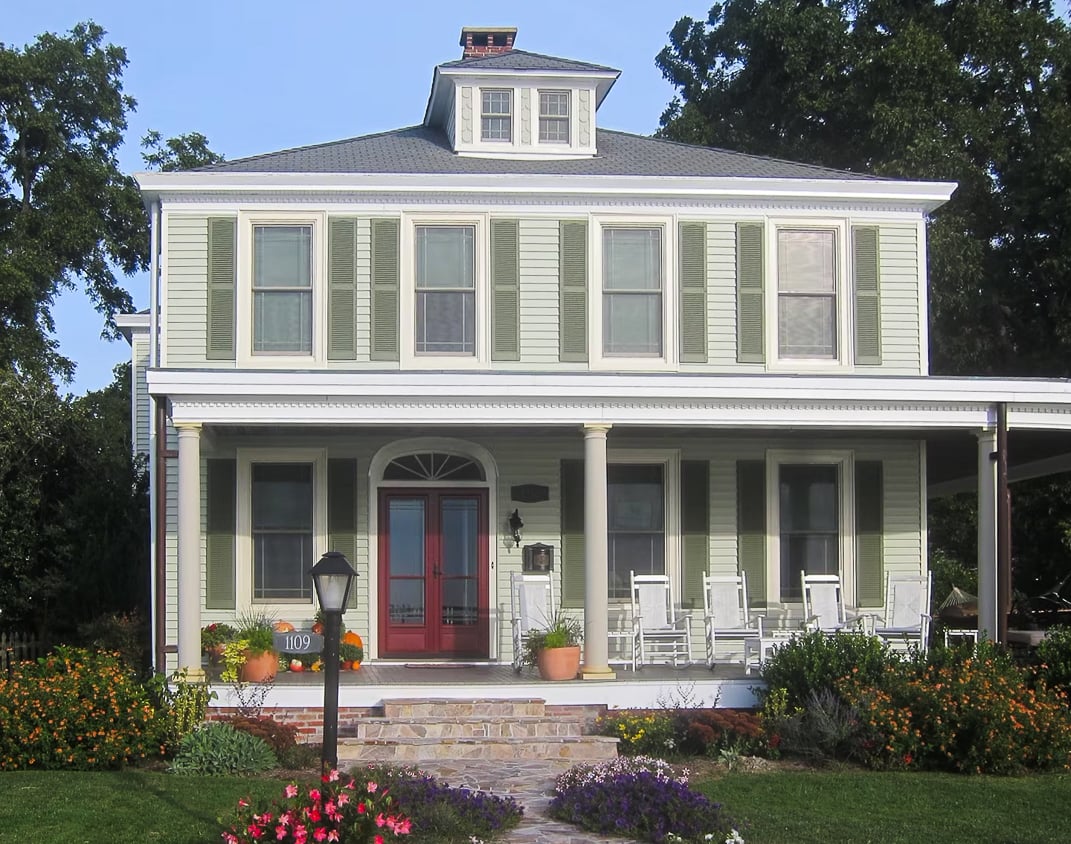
<point>298,642</point>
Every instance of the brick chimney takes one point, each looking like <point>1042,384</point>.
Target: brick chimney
<point>480,41</point>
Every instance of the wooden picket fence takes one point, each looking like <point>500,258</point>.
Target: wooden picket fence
<point>18,647</point>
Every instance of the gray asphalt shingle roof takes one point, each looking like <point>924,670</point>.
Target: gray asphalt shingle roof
<point>523,60</point>
<point>423,150</point>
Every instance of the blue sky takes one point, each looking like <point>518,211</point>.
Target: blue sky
<point>261,76</point>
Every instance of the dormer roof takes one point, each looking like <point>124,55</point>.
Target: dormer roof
<point>524,60</point>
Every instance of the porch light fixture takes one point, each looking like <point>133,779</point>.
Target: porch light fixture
<point>515,525</point>
<point>333,578</point>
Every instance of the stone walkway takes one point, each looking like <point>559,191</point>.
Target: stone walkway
<point>530,783</point>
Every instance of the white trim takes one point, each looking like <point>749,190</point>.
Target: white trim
<point>844,461</point>
<point>448,445</point>
<point>243,577</point>
<point>923,294</point>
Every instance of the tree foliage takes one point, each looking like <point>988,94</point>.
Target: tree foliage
<point>971,91</point>
<point>184,152</point>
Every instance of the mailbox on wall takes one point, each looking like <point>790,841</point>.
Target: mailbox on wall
<point>538,557</point>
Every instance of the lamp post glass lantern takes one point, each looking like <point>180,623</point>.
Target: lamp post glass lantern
<point>333,578</point>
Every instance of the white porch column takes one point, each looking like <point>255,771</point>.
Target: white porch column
<point>189,549</point>
<point>987,534</point>
<point>596,641</point>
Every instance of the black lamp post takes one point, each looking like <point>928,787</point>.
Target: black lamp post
<point>333,577</point>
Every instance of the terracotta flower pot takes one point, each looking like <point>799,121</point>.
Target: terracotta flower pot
<point>260,668</point>
<point>559,663</point>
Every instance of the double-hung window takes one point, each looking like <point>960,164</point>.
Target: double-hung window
<point>807,304</point>
<point>554,117</point>
<point>282,289</point>
<point>282,531</point>
<point>632,291</point>
<point>445,290</point>
<point>809,523</point>
<point>636,522</point>
<point>496,115</point>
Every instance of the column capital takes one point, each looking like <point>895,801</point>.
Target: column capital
<point>596,429</point>
<point>188,427</point>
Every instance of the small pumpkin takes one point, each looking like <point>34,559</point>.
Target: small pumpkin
<point>318,627</point>
<point>351,638</point>
<point>283,627</point>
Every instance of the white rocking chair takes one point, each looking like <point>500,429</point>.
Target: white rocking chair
<point>905,622</point>
<point>531,607</point>
<point>823,605</point>
<point>726,614</point>
<point>658,631</point>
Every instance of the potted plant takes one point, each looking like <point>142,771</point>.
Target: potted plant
<point>351,650</point>
<point>555,650</point>
<point>213,638</point>
<point>254,646</point>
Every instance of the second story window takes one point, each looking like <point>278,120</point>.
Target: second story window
<point>806,294</point>
<point>632,292</point>
<point>496,116</point>
<point>445,290</point>
<point>282,289</point>
<point>554,117</point>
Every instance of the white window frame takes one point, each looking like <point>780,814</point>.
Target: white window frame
<point>568,117</point>
<point>844,461</point>
<point>244,354</point>
<point>842,290</point>
<point>246,457</point>
<point>512,94</point>
<point>409,359</point>
<point>670,460</point>
<point>597,357</point>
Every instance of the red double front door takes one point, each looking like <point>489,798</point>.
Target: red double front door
<point>433,573</point>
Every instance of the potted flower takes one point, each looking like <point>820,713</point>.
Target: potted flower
<point>214,637</point>
<point>251,658</point>
<point>555,650</point>
<point>351,650</point>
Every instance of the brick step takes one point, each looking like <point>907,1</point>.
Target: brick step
<point>451,708</point>
<point>579,748</point>
<point>477,726</point>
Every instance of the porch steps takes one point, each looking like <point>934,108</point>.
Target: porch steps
<point>426,729</point>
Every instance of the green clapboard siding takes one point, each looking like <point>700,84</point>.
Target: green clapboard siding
<point>222,293</point>
<point>572,556</point>
<point>867,295</point>
<point>573,288</point>
<point>693,281</point>
<point>342,277</point>
<point>342,511</point>
<point>695,529</point>
<point>869,532</point>
<point>221,492</point>
<point>506,290</point>
<point>750,303</point>
<point>751,525</point>
<point>386,267</point>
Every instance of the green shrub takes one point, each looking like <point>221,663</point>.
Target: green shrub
<point>280,737</point>
<point>122,633</point>
<point>974,714</point>
<point>77,710</point>
<point>218,748</point>
<point>641,732</point>
<point>1054,658</point>
<point>182,705</point>
<point>824,728</point>
<point>815,661</point>
<point>709,731</point>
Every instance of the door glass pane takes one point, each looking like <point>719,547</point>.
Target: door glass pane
<point>406,531</point>
<point>407,601</point>
<point>459,543</point>
<point>809,525</point>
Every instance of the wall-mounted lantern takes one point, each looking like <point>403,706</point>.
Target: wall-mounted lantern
<point>538,557</point>
<point>515,524</point>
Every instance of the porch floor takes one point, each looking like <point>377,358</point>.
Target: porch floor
<point>651,686</point>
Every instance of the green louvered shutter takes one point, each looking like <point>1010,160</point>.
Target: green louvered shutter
<point>751,526</point>
<point>386,262</point>
<point>573,290</point>
<point>869,530</point>
<point>222,281</point>
<point>342,511</point>
<point>220,493</point>
<point>342,279</point>
<point>505,290</point>
<point>572,516</point>
<point>867,295</point>
<point>693,281</point>
<point>695,529</point>
<point>750,301</point>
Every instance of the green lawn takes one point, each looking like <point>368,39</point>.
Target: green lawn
<point>119,807</point>
<point>858,806</point>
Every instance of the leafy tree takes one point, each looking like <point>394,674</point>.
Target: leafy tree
<point>184,152</point>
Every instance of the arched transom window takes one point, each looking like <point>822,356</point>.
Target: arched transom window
<point>433,466</point>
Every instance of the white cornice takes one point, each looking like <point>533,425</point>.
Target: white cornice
<point>924,196</point>
<point>812,402</point>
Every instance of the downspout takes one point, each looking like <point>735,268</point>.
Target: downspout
<point>1004,580</point>
<point>159,565</point>
<point>155,578</point>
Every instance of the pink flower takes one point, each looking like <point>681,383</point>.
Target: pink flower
<point>319,834</point>
<point>377,840</point>
<point>230,839</point>
<point>290,790</point>
<point>331,776</point>
<point>380,820</point>
<point>404,827</point>
<point>332,835</point>
<point>243,802</point>
<point>280,832</point>
<point>314,795</point>
<point>342,799</point>
<point>361,808</point>
<point>372,787</point>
